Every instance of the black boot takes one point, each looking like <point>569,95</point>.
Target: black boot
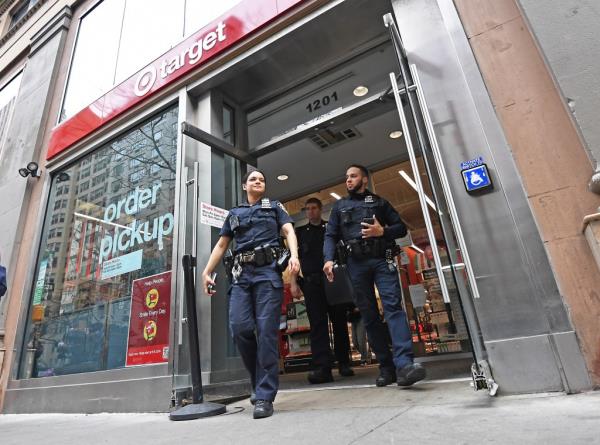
<point>411,374</point>
<point>320,375</point>
<point>387,376</point>
<point>262,409</point>
<point>345,370</point>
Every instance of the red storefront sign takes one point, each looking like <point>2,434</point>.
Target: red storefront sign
<point>241,21</point>
<point>148,341</point>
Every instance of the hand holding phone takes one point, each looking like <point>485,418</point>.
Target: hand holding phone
<point>212,287</point>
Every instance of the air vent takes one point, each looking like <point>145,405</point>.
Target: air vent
<point>327,139</point>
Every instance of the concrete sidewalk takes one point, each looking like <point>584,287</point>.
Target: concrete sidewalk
<point>440,411</point>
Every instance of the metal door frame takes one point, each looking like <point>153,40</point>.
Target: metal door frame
<point>413,92</point>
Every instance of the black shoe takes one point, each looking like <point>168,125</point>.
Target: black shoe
<point>262,409</point>
<point>386,377</point>
<point>253,398</point>
<point>320,375</point>
<point>411,374</point>
<point>345,370</point>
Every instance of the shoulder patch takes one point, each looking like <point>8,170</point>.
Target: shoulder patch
<point>281,206</point>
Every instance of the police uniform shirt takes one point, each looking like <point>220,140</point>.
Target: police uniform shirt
<point>255,225</point>
<point>310,247</point>
<point>348,214</point>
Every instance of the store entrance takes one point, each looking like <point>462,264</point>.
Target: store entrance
<point>439,331</point>
<point>351,98</point>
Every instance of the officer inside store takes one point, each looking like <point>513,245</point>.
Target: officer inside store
<point>310,244</point>
<point>368,226</point>
<point>256,293</point>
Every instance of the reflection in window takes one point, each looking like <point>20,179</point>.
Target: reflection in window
<point>134,33</point>
<point>140,41</point>
<point>228,124</point>
<point>79,314</point>
<point>8,96</point>
<point>20,11</point>
<point>97,40</point>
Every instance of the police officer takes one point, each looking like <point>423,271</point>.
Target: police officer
<point>310,246</point>
<point>368,225</point>
<point>256,293</point>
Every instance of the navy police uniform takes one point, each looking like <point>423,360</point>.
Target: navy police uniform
<point>370,263</point>
<point>310,251</point>
<point>256,293</point>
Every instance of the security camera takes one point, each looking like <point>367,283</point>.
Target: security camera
<point>30,169</point>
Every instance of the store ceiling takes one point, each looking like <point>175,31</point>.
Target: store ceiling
<point>349,29</point>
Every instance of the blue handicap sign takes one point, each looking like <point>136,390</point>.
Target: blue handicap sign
<point>476,178</point>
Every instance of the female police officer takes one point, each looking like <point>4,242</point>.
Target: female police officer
<point>257,290</point>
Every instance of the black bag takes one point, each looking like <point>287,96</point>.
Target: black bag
<point>2,280</point>
<point>341,290</point>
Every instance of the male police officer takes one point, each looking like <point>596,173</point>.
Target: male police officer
<point>368,224</point>
<point>310,250</point>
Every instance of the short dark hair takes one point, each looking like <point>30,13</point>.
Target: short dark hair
<point>314,200</point>
<point>362,169</point>
<point>249,172</point>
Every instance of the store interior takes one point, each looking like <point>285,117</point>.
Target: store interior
<point>440,337</point>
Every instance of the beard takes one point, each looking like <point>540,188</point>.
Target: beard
<point>354,190</point>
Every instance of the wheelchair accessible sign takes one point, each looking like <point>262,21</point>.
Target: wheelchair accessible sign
<point>476,176</point>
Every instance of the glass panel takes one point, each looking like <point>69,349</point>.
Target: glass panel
<point>437,327</point>
<point>228,124</point>
<point>93,65</point>
<point>198,14</point>
<point>150,28</point>
<point>109,222</point>
<point>8,96</point>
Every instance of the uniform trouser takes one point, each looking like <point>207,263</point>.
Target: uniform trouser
<point>365,273</point>
<point>318,310</point>
<point>254,312</point>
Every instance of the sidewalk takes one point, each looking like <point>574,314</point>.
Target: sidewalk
<point>442,411</point>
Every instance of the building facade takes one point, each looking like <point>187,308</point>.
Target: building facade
<point>142,117</point>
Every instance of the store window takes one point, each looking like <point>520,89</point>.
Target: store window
<point>103,245</point>
<point>8,96</point>
<point>20,11</point>
<point>134,33</point>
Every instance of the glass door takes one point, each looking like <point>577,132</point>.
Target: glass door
<point>212,167</point>
<point>451,273</point>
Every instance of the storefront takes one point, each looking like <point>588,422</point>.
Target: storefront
<point>139,177</point>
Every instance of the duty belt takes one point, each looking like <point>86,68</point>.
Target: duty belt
<point>368,248</point>
<point>260,256</point>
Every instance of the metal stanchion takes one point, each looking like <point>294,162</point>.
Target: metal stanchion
<point>198,408</point>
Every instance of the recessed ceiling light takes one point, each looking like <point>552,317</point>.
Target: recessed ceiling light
<point>395,134</point>
<point>283,177</point>
<point>360,90</point>
<point>335,195</point>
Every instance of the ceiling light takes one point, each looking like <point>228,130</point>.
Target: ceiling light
<point>360,90</point>
<point>283,177</point>
<point>414,185</point>
<point>395,134</point>
<point>336,196</point>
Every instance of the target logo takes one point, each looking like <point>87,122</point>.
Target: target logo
<point>145,81</point>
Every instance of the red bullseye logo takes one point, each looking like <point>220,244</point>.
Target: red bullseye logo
<point>145,81</point>
<point>150,330</point>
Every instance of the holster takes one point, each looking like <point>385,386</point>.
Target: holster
<point>228,260</point>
